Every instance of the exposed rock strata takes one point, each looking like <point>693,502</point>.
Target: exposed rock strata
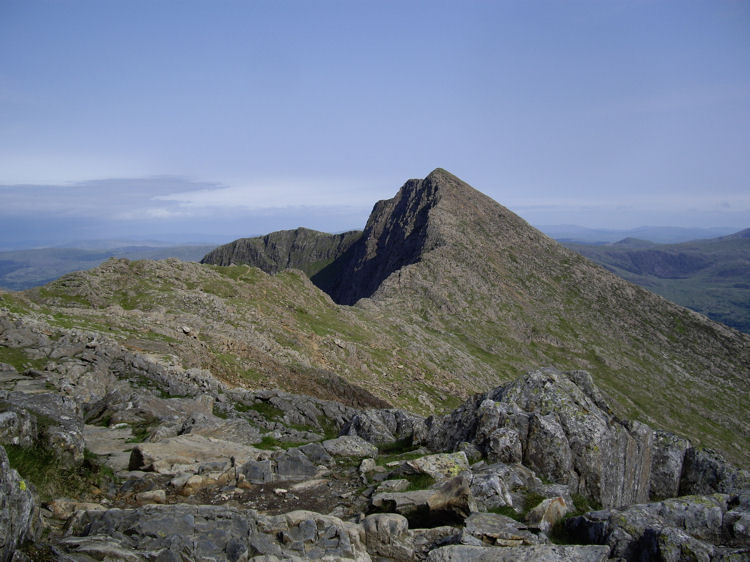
<point>302,248</point>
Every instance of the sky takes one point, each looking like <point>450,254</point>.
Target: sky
<point>214,119</point>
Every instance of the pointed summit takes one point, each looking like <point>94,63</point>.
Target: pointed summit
<point>437,211</point>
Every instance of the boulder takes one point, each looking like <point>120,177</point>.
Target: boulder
<point>316,453</point>
<point>258,472</point>
<point>447,502</point>
<point>387,486</point>
<point>185,453</point>
<point>56,420</point>
<point>294,465</point>
<point>496,530</point>
<point>504,445</point>
<point>349,446</point>
<point>311,535</point>
<point>546,514</point>
<point>17,427</point>
<point>63,508</point>
<point>495,485</point>
<point>442,465</point>
<point>235,430</point>
<point>20,518</point>
<point>547,450</point>
<point>151,496</point>
<point>666,465</point>
<point>566,431</point>
<point>387,534</point>
<point>696,526</point>
<point>383,426</point>
<point>99,547</point>
<point>706,472</point>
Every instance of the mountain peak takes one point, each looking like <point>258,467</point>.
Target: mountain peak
<point>399,232</point>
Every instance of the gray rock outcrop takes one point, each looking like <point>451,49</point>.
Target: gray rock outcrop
<point>564,430</point>
<point>685,528</point>
<point>302,248</point>
<point>20,518</point>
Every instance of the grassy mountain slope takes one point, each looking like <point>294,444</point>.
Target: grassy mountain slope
<point>481,296</point>
<point>709,276</point>
<point>23,269</point>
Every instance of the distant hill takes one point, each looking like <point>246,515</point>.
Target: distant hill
<point>23,269</point>
<point>709,276</point>
<point>659,234</point>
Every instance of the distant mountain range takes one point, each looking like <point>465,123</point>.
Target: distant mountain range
<point>709,276</point>
<point>23,269</point>
<point>658,234</point>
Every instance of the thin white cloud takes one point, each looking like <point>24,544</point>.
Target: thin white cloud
<point>105,198</point>
<point>272,194</point>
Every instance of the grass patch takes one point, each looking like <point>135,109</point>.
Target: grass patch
<point>419,481</point>
<point>219,413</point>
<point>268,411</point>
<point>508,511</point>
<point>41,467</point>
<point>20,360</point>
<point>531,500</point>
<point>12,304</point>
<point>269,442</point>
<point>141,432</point>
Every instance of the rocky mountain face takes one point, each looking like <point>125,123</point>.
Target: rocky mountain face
<point>181,411</point>
<point>152,462</point>
<point>449,263</point>
<point>305,249</point>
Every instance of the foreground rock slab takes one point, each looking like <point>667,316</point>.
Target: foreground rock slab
<point>538,553</point>
<point>188,532</point>
<point>690,527</point>
<point>185,453</point>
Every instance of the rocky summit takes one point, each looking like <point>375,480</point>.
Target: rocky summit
<point>386,399</point>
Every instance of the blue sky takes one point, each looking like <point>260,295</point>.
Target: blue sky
<point>189,119</point>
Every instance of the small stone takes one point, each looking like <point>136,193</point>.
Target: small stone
<point>367,465</point>
<point>151,496</point>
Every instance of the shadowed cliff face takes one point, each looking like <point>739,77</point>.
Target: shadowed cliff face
<point>396,235</point>
<point>302,248</point>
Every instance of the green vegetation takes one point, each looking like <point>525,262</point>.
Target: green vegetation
<point>419,481</point>
<point>141,431</point>
<point>12,303</point>
<point>19,359</point>
<point>267,410</point>
<point>41,467</point>
<point>269,442</point>
<point>508,511</point>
